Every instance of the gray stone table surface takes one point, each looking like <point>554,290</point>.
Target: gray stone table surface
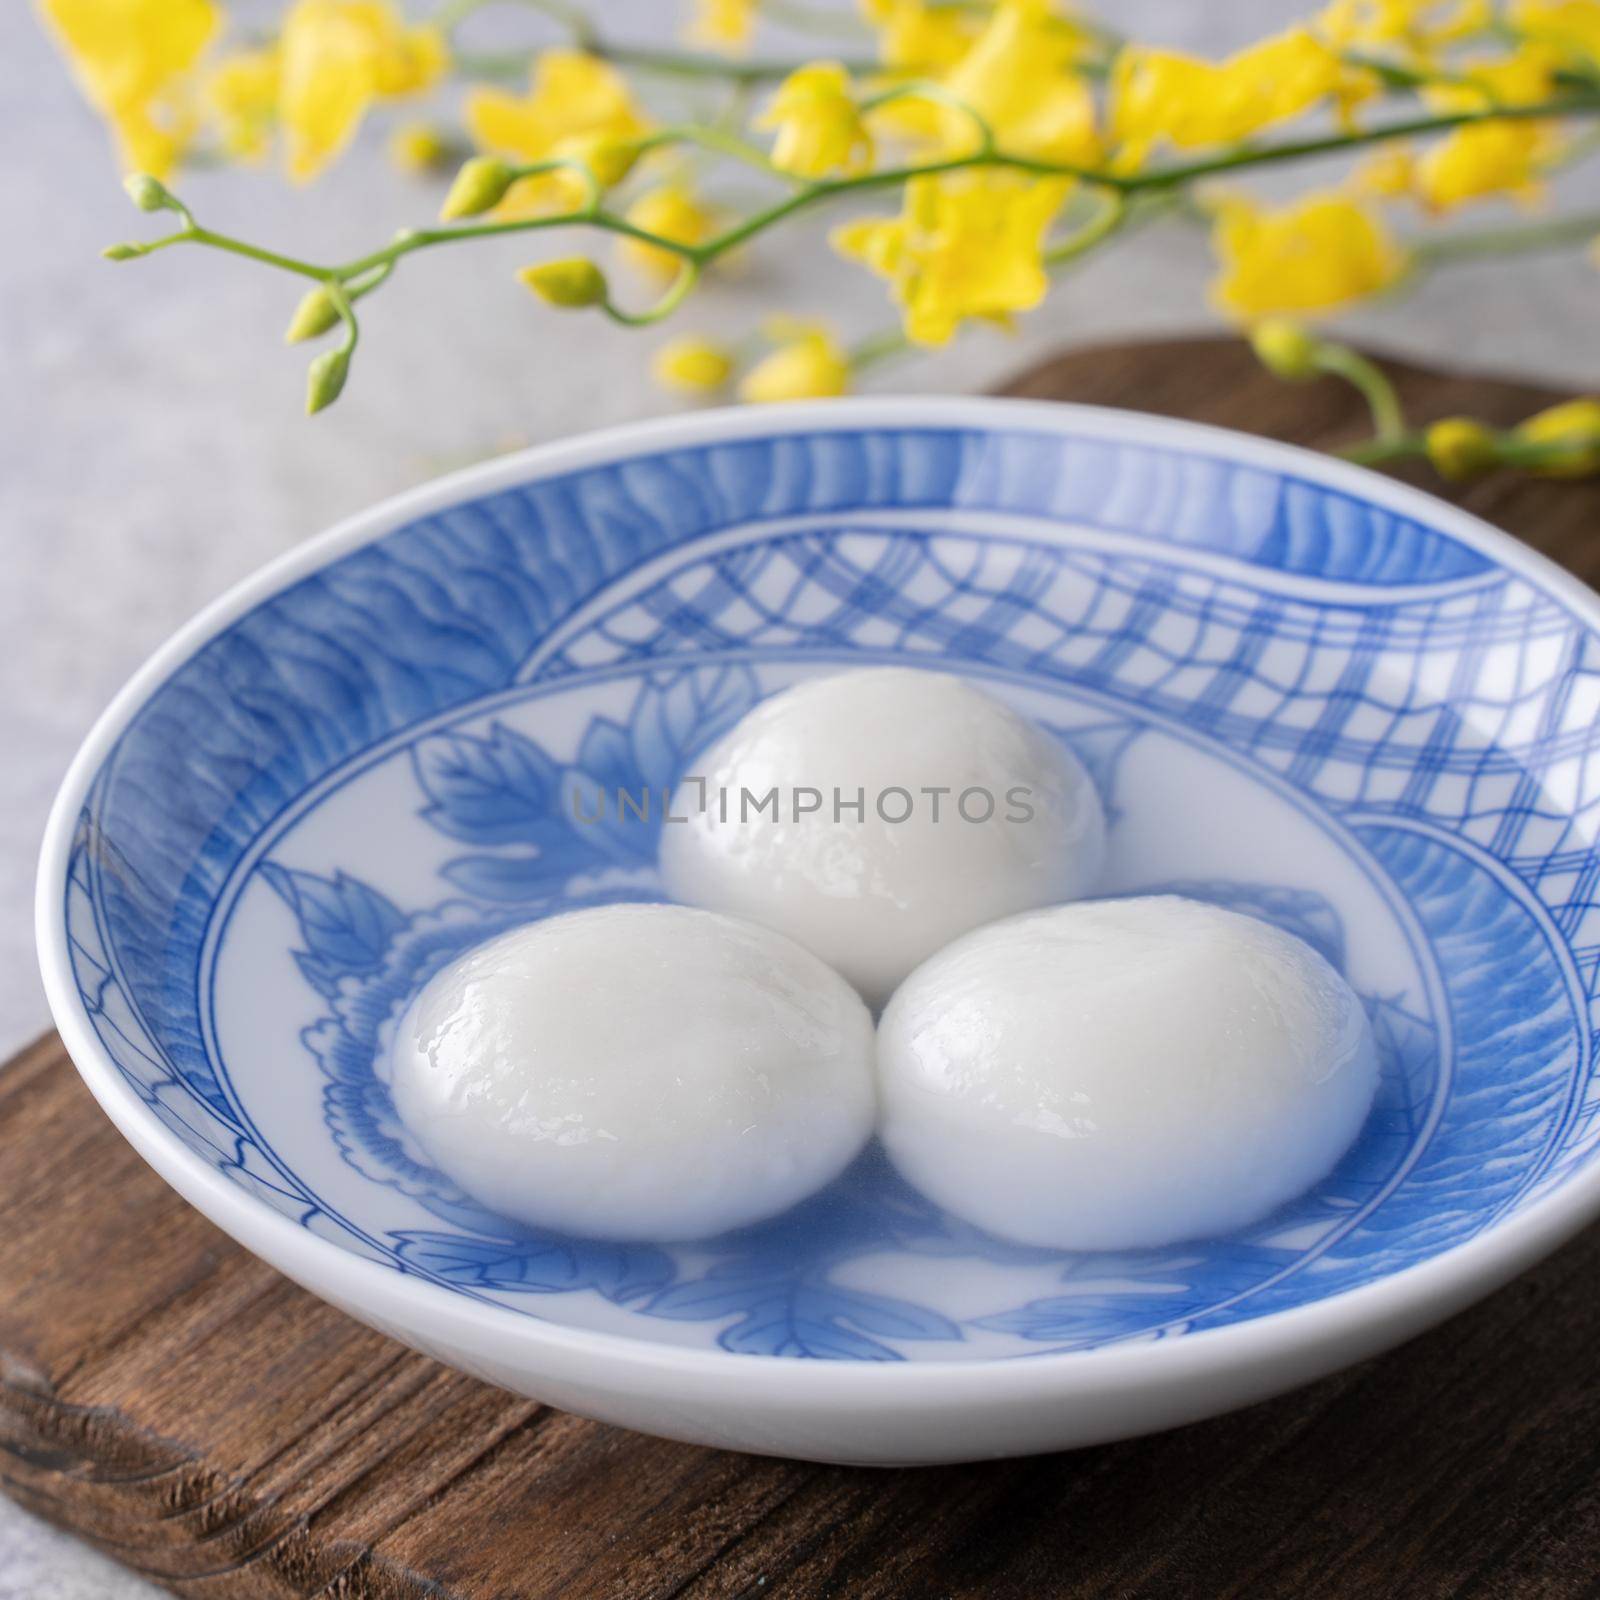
<point>152,449</point>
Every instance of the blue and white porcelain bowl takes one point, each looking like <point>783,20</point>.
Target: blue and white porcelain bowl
<point>1305,692</point>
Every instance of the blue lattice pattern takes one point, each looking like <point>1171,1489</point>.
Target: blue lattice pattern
<point>1464,707</point>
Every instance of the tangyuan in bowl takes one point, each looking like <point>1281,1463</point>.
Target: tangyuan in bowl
<point>1302,692</point>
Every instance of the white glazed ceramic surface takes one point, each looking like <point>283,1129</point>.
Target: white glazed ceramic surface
<point>1303,692</point>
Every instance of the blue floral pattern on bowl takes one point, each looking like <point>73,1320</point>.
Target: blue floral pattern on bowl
<point>399,755</point>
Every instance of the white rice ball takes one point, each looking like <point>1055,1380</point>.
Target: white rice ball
<point>1122,1073</point>
<point>637,1072</point>
<point>910,807</point>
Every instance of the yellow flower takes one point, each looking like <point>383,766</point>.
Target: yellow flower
<point>807,365</point>
<point>914,37</point>
<point>419,148</point>
<point>1573,426</point>
<point>723,24</point>
<point>966,245</point>
<point>819,128</point>
<point>919,40</point>
<point>1570,26</point>
<point>691,366</point>
<point>1161,95</point>
<point>1316,253</point>
<point>609,160</point>
<point>1492,158</point>
<point>1421,27</point>
<point>241,94</point>
<point>1388,174</point>
<point>573,96</point>
<point>338,57</point>
<point>131,59</point>
<point>1021,77</point>
<point>412,62</point>
<point>672,212</point>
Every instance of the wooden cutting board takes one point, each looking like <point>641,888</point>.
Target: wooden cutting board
<point>210,1425</point>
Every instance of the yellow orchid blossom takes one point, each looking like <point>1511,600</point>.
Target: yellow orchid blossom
<point>132,60</point>
<point>671,211</point>
<point>1418,27</point>
<point>1388,174</point>
<point>1162,96</point>
<point>819,126</point>
<point>241,96</point>
<point>806,365</point>
<point>1489,159</point>
<point>918,40</point>
<point>573,98</point>
<point>1569,26</point>
<point>1315,254</point>
<point>1022,77</point>
<point>967,245</point>
<point>338,57</point>
<point>722,24</point>
<point>915,37</point>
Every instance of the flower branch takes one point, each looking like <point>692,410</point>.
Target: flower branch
<point>1016,138</point>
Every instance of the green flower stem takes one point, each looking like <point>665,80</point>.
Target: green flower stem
<point>685,64</point>
<point>341,298</point>
<point>416,239</point>
<point>643,58</point>
<point>1586,105</point>
<point>808,19</point>
<point>355,288</point>
<point>1395,76</point>
<point>1109,219</point>
<point>928,89</point>
<point>1556,233</point>
<point>814,194</point>
<point>1388,420</point>
<point>719,140</point>
<point>877,348</point>
<point>1525,454</point>
<point>1381,452</point>
<point>688,276</point>
<point>194,234</point>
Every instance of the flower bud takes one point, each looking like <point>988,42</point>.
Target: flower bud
<point>124,252</point>
<point>419,148</point>
<point>691,366</point>
<point>570,283</point>
<point>1571,432</point>
<point>1286,349</point>
<point>315,314</point>
<point>610,160</point>
<point>148,193</point>
<point>1460,448</point>
<point>325,379</point>
<point>481,183</point>
<point>808,364</point>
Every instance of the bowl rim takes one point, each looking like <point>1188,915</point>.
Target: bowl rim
<point>1408,1300</point>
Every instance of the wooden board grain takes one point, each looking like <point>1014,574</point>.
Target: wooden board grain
<point>203,1421</point>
